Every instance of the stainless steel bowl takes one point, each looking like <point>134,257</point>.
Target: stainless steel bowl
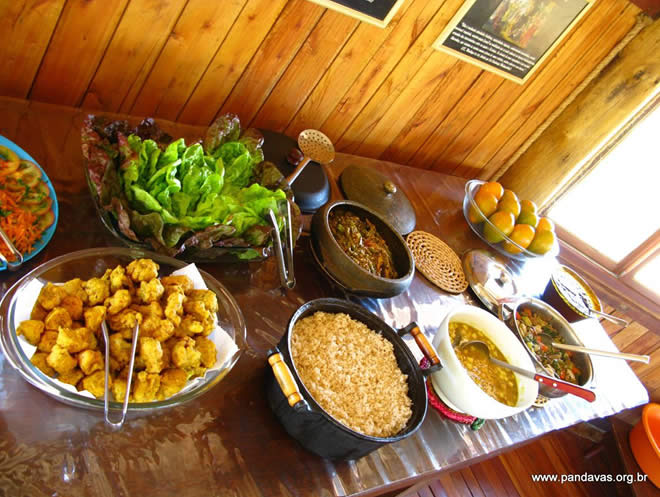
<point>581,360</point>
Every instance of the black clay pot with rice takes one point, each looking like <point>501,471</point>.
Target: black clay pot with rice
<point>301,415</point>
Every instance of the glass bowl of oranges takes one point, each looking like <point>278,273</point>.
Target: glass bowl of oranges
<point>511,226</point>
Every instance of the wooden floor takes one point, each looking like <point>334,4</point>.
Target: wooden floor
<point>509,475</point>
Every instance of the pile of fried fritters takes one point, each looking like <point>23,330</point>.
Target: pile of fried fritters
<point>175,320</point>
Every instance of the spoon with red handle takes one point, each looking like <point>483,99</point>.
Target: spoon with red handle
<point>562,385</point>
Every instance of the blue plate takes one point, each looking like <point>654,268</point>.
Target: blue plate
<point>48,233</point>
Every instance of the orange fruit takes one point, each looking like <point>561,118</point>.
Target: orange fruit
<point>543,241</point>
<point>522,234</point>
<point>487,204</point>
<point>528,205</point>
<point>509,202</point>
<point>493,187</point>
<point>545,224</point>
<point>528,217</point>
<point>504,222</point>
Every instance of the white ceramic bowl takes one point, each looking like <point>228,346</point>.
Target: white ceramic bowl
<point>454,385</point>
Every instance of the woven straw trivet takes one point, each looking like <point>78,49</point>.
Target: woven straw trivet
<point>437,261</point>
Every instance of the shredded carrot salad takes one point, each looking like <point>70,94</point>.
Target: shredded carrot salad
<point>19,224</point>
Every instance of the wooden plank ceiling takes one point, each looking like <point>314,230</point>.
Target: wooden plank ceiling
<point>291,65</point>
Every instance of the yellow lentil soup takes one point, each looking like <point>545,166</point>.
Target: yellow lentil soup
<point>497,382</point>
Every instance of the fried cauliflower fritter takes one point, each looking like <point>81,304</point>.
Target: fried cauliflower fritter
<point>189,326</point>
<point>207,348</point>
<point>119,280</point>
<point>50,296</point>
<point>150,291</point>
<point>174,307</point>
<point>185,355</point>
<point>197,309</point>
<point>206,297</point>
<point>38,313</point>
<point>94,316</point>
<point>31,330</point>
<point>75,287</point>
<point>120,349</point>
<point>97,290</point>
<point>60,360</point>
<point>125,320</point>
<point>74,306</point>
<point>145,386</point>
<point>171,382</point>
<point>95,383</point>
<point>90,361</point>
<point>40,362</point>
<point>142,270</point>
<point>76,340</point>
<point>152,310</point>
<point>151,353</point>
<point>160,329</point>
<point>58,318</point>
<point>119,301</point>
<point>183,281</point>
<point>73,377</point>
<point>119,389</point>
<point>48,339</point>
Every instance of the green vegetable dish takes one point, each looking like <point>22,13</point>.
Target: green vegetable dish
<point>171,197</point>
<point>557,362</point>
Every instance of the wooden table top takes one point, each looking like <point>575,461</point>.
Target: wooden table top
<point>228,442</point>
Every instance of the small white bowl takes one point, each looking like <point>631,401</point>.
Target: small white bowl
<point>454,385</point>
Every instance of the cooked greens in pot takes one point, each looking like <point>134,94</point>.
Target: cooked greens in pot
<point>360,240</point>
<point>556,361</point>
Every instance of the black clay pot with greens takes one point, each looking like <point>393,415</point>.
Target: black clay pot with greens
<point>336,264</point>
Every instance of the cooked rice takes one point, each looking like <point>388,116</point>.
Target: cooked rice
<point>352,373</point>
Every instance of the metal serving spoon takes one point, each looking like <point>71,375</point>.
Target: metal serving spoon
<point>609,317</point>
<point>315,146</point>
<point>547,340</point>
<point>564,386</point>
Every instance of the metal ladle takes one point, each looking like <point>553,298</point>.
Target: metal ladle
<point>609,317</point>
<point>315,146</point>
<point>564,386</point>
<point>547,341</point>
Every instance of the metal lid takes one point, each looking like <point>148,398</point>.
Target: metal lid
<point>489,278</point>
<point>379,193</point>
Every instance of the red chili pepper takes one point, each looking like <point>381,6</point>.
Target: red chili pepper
<point>517,315</point>
<point>562,375</point>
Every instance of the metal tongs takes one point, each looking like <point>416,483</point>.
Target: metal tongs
<point>116,425</point>
<point>287,279</point>
<point>12,266</point>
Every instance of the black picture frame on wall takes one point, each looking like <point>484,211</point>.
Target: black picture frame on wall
<point>376,12</point>
<point>511,38</point>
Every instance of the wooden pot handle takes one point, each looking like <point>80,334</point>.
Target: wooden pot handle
<point>286,380</point>
<point>424,345</point>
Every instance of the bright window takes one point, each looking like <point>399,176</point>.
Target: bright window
<point>613,214</point>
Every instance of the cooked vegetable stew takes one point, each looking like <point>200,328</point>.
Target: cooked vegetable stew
<point>557,362</point>
<point>499,383</point>
<point>362,243</point>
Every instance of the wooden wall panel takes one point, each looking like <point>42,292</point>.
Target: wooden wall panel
<point>291,65</point>
<point>76,49</point>
<point>190,47</point>
<point>128,59</point>
<point>25,30</point>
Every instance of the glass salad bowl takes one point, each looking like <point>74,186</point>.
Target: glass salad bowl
<point>519,253</point>
<point>17,304</point>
